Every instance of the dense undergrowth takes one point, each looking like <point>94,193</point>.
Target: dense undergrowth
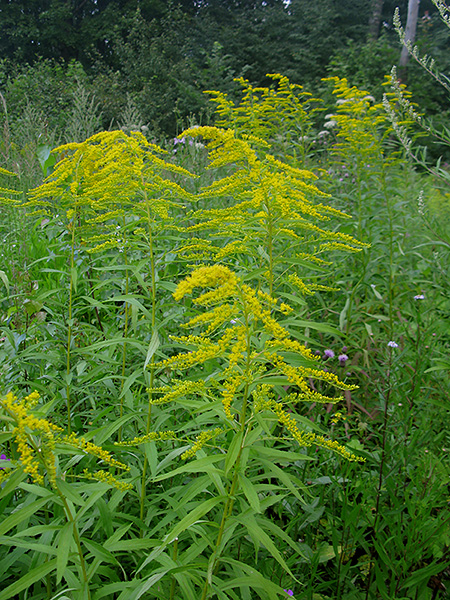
<point>224,363</point>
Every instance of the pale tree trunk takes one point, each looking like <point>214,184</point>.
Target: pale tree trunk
<point>375,19</point>
<point>410,30</point>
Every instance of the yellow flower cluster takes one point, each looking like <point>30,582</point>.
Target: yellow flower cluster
<point>358,121</point>
<point>200,441</point>
<point>153,436</point>
<point>217,276</point>
<point>268,112</point>
<point>299,375</point>
<point>108,478</point>
<point>36,440</point>
<point>271,199</point>
<point>34,455</point>
<point>6,193</point>
<point>177,389</point>
<point>107,175</point>
<point>308,438</point>
<point>230,387</point>
<point>93,450</point>
<point>311,288</point>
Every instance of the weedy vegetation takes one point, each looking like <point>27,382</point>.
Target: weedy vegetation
<point>224,358</point>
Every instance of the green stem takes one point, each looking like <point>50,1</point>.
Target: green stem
<point>69,328</point>
<point>77,542</point>
<point>231,494</point>
<point>125,330</point>
<point>152,360</point>
<point>174,557</point>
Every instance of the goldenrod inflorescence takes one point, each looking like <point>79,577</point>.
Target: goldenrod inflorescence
<point>37,442</point>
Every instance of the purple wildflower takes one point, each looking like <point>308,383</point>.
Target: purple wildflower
<point>328,353</point>
<point>3,457</point>
<point>419,297</point>
<point>289,592</point>
<point>392,344</point>
<point>342,359</point>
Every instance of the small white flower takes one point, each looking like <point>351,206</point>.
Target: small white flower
<point>419,297</point>
<point>392,344</point>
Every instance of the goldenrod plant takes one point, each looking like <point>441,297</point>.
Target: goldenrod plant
<point>122,181</point>
<point>244,409</point>
<point>283,114</point>
<point>249,412</point>
<point>271,214</point>
<point>46,465</point>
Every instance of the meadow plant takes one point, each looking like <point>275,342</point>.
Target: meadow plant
<point>200,347</point>
<point>268,203</point>
<point>283,114</point>
<point>41,470</point>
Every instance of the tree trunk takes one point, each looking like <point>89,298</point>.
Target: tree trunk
<point>410,30</point>
<point>375,20</point>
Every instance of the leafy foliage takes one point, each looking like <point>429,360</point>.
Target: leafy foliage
<point>278,436</point>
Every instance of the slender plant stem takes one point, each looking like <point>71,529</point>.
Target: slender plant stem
<point>77,542</point>
<point>152,360</point>
<point>125,330</point>
<point>174,557</point>
<point>231,493</point>
<point>69,328</point>
<point>381,469</point>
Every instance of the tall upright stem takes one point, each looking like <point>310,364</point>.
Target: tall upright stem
<point>231,493</point>
<point>125,327</point>
<point>70,324</point>
<point>152,360</point>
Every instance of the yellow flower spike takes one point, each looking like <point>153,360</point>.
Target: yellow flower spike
<point>36,440</point>
<point>153,436</point>
<point>200,441</point>
<point>217,276</point>
<point>306,439</point>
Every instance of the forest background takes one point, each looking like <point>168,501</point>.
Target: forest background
<point>149,61</point>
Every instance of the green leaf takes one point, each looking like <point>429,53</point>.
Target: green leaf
<point>74,277</point>
<point>323,327</point>
<point>141,587</point>
<point>14,480</point>
<point>191,518</point>
<point>4,278</point>
<point>68,491</point>
<point>27,580</point>
<point>343,315</point>
<point>292,483</point>
<point>99,551</point>
<point>254,581</point>
<point>250,492</point>
<point>278,455</point>
<point>196,514</point>
<point>104,433</point>
<point>260,536</point>
<point>233,452</point>
<point>195,466</point>
<point>152,348</point>
<point>64,542</point>
<point>21,514</point>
